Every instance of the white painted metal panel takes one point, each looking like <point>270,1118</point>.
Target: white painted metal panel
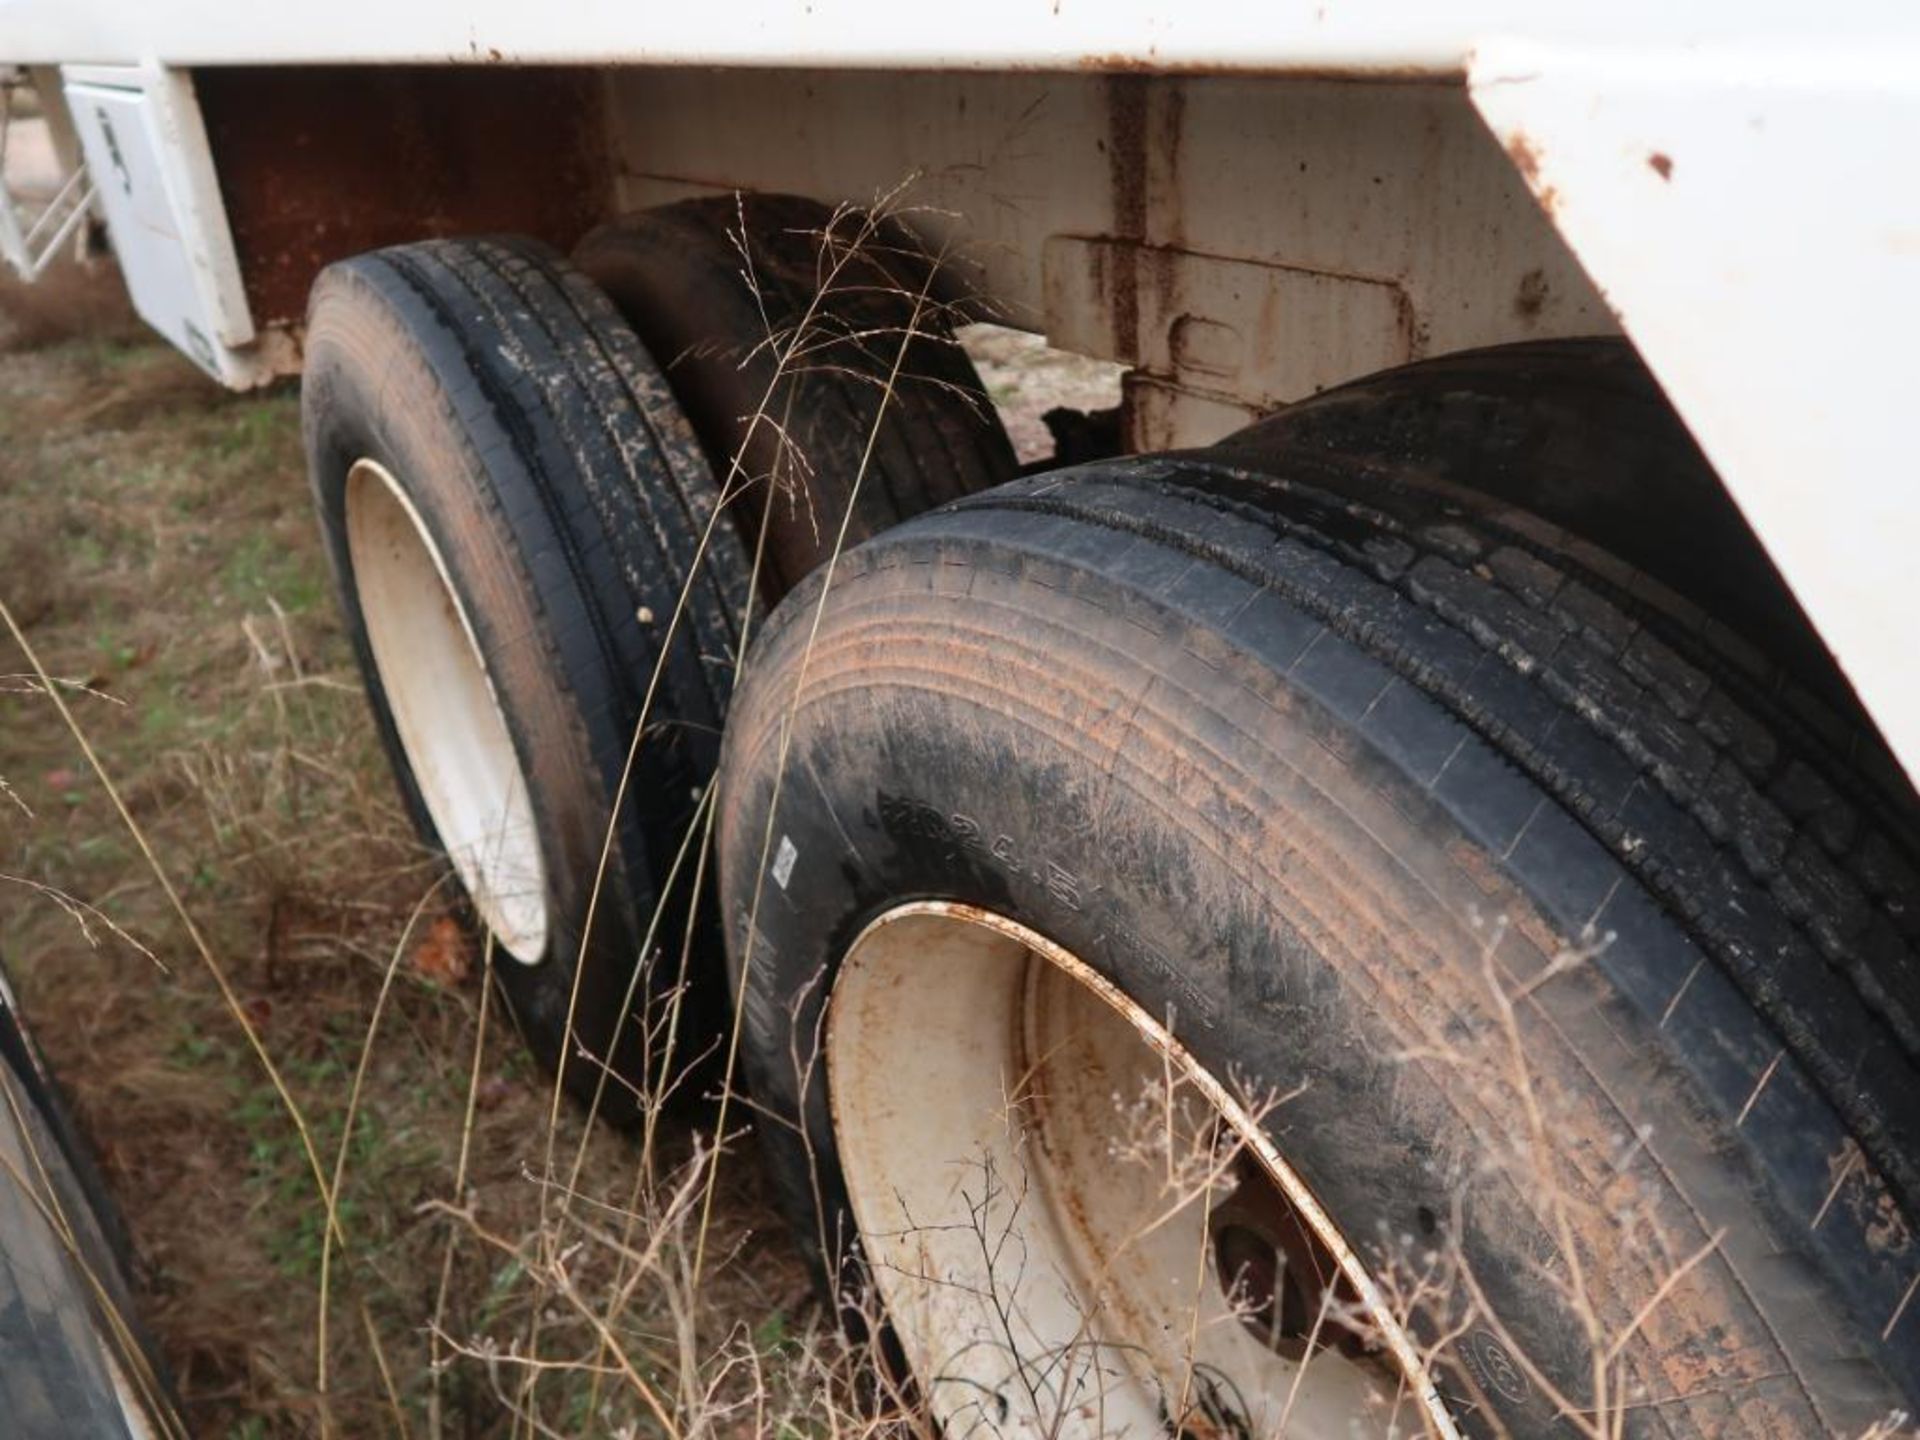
<point>1397,36</point>
<point>1336,228</point>
<point>1753,216</point>
<point>147,152</point>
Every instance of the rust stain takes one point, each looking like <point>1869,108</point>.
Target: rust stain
<point>1146,122</point>
<point>1661,164</point>
<point>1127,183</point>
<point>1526,159</point>
<point>1531,298</point>
<point>320,162</point>
<point>1415,332</point>
<point>1525,156</point>
<point>1127,154</point>
<point>1166,214</point>
<point>1121,63</point>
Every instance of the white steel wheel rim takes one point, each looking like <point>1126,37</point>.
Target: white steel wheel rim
<point>1042,1277</point>
<point>446,712</point>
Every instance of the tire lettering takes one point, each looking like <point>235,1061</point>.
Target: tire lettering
<point>783,860</point>
<point>1494,1368</point>
<point>1193,1001</point>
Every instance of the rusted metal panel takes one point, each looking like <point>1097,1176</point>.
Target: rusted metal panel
<point>321,163</point>
<point>1243,335</point>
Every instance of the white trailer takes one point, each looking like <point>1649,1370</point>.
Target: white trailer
<point>1509,758</point>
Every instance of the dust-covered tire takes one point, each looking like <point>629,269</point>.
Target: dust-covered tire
<point>502,426</point>
<point>719,287</point>
<point>1311,771</point>
<point>79,1360</point>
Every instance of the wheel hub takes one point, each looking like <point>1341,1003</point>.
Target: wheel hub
<point>1076,1231</point>
<point>1282,1281</point>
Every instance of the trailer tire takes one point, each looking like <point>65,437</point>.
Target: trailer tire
<point>717,286</point>
<point>513,507</point>
<point>80,1359</point>
<point>1271,761</point>
<point>1526,428</point>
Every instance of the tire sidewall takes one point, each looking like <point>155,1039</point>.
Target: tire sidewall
<point>679,284</point>
<point>370,392</point>
<point>852,432</point>
<point>891,797</point>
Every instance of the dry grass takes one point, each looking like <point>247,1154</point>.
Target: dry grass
<point>161,557</point>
